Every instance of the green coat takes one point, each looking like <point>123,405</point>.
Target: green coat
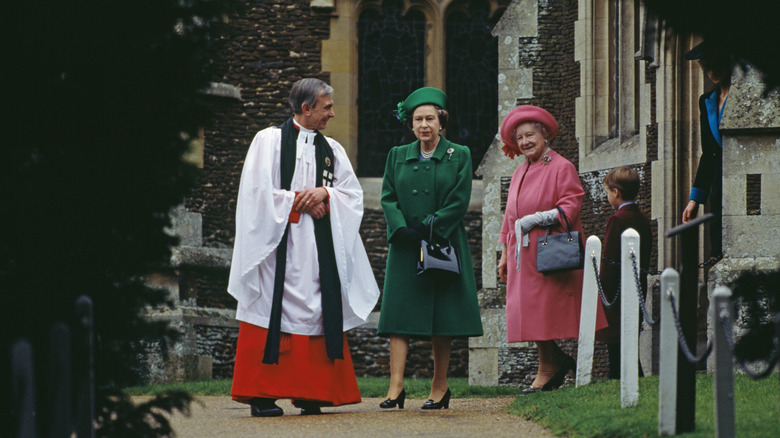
<point>412,191</point>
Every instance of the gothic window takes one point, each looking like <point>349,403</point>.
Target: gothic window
<point>612,88</point>
<point>403,45</point>
<point>623,69</point>
<point>391,63</point>
<point>472,71</point>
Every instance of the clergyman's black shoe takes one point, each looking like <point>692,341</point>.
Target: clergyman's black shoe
<point>264,407</point>
<point>308,407</point>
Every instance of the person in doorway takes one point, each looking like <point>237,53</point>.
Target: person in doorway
<point>622,187</point>
<point>709,174</point>
<point>426,190</point>
<point>299,271</point>
<point>540,307</point>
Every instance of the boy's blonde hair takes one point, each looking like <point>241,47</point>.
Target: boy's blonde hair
<point>624,179</point>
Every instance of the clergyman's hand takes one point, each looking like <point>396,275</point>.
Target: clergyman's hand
<point>309,198</point>
<point>317,211</point>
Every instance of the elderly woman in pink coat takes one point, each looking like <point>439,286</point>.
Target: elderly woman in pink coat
<point>539,307</point>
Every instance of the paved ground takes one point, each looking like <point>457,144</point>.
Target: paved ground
<point>218,417</point>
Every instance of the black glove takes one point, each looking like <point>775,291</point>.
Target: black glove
<point>407,237</point>
<point>422,229</point>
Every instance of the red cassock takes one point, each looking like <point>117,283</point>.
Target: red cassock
<point>304,371</point>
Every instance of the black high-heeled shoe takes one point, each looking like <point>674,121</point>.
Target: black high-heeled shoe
<point>443,403</point>
<point>569,364</point>
<point>398,401</point>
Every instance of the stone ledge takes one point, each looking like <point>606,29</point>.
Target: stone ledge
<point>747,108</point>
<point>202,257</point>
<point>220,89</point>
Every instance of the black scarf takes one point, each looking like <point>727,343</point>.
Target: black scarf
<point>330,284</point>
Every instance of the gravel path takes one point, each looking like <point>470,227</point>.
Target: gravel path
<point>218,417</point>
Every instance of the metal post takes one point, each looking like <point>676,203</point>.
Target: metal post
<point>667,379</point>
<point>23,387</point>
<point>590,297</point>
<point>689,281</point>
<point>723,382</point>
<point>629,327</point>
<point>59,347</point>
<point>777,339</point>
<point>85,387</point>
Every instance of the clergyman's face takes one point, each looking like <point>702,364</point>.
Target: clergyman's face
<point>317,117</point>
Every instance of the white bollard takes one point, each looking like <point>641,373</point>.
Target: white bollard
<point>629,324</point>
<point>590,297</point>
<point>667,379</point>
<point>723,381</point>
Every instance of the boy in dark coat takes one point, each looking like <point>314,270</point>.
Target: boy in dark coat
<point>622,186</point>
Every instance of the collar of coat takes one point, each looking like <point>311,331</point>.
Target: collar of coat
<point>413,151</point>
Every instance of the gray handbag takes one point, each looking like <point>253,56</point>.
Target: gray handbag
<point>560,252</point>
<point>438,259</point>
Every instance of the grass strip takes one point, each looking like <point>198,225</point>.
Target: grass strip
<point>594,410</point>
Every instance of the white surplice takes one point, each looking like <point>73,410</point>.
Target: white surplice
<point>261,217</point>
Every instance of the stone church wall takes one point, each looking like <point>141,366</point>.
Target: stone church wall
<point>271,46</point>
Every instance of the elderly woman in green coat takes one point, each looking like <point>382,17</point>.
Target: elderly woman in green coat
<point>429,179</point>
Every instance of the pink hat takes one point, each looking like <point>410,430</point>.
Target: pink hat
<point>524,113</point>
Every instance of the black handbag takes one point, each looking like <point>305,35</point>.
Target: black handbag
<point>438,259</point>
<point>560,252</point>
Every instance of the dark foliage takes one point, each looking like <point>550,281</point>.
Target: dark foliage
<point>101,100</point>
<point>757,300</point>
<point>119,418</point>
<point>746,30</point>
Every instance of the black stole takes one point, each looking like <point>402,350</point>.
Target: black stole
<point>330,284</point>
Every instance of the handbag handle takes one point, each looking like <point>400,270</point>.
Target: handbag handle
<point>566,223</point>
<point>430,237</point>
<point>565,219</point>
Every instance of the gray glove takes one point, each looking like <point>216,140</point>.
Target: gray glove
<point>539,219</point>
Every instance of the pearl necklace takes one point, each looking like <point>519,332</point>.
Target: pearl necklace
<point>427,155</point>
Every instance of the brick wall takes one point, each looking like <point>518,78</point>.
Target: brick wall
<point>272,45</point>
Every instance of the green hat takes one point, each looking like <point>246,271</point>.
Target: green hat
<point>420,96</point>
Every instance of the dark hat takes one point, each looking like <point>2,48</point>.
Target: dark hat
<point>421,96</point>
<point>697,52</point>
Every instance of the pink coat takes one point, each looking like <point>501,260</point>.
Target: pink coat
<point>542,307</point>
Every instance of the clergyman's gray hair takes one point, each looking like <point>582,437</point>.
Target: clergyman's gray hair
<point>307,91</point>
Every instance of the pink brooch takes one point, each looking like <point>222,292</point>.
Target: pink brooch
<point>546,159</point>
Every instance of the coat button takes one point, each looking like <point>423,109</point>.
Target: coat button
<point>414,192</point>
<point>428,167</point>
<point>426,191</point>
<point>415,168</point>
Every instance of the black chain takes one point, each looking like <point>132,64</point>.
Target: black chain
<point>644,271</point>
<point>642,304</point>
<point>710,262</point>
<point>681,337</point>
<point>726,322</point>
<point>602,295</point>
